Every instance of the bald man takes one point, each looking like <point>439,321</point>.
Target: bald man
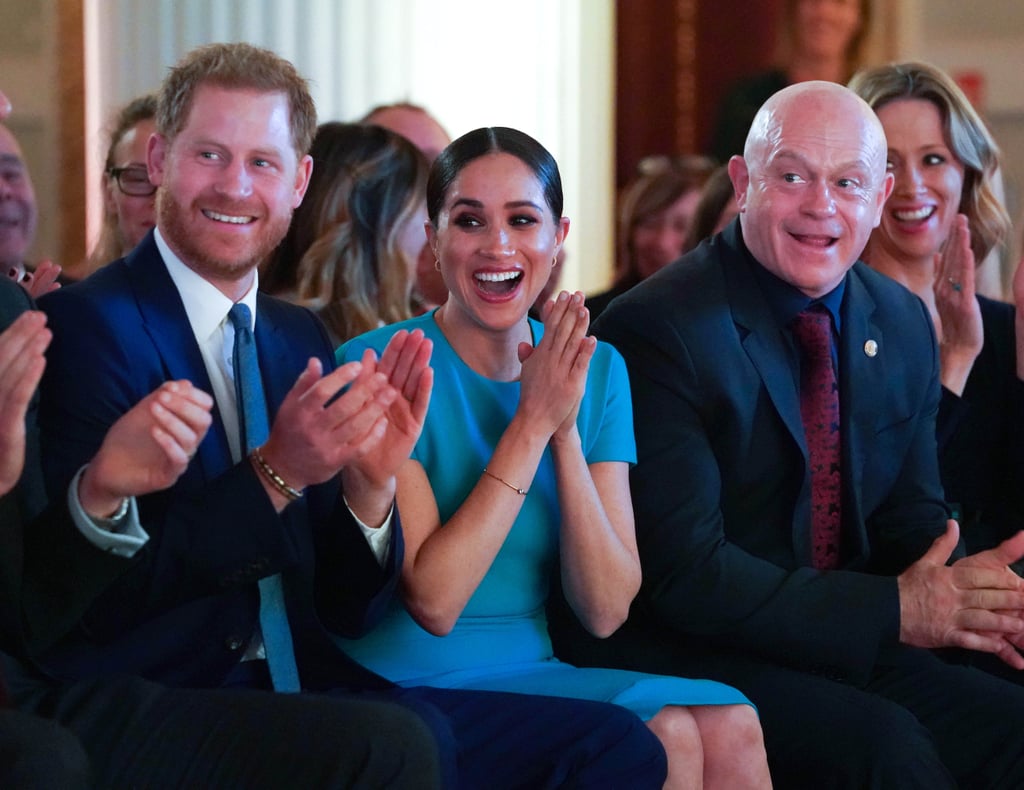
<point>808,566</point>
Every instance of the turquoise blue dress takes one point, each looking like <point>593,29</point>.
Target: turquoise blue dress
<point>501,642</point>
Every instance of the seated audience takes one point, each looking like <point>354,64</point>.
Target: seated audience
<point>943,217</point>
<point>424,131</point>
<point>129,202</point>
<point>715,208</point>
<point>792,530</point>
<point>282,531</point>
<point>351,249</point>
<point>655,213</point>
<point>818,40</point>
<point>519,479</point>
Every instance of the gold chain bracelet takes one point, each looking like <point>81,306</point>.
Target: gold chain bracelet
<point>520,491</point>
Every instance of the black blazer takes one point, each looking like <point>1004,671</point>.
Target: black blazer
<point>186,605</point>
<point>721,489</point>
<point>48,571</point>
<point>981,437</point>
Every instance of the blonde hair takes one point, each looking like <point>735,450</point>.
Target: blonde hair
<point>341,252</point>
<point>965,132</point>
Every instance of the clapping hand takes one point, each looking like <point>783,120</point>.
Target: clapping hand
<point>317,432</point>
<point>406,364</point>
<point>974,603</point>
<point>42,280</point>
<point>555,371</point>
<point>22,360</point>
<point>148,448</point>
<point>959,312</point>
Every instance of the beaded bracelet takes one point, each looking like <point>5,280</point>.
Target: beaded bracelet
<point>519,491</point>
<point>276,480</point>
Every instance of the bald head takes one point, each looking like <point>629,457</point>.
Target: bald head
<point>415,124</point>
<point>811,183</point>
<point>830,104</point>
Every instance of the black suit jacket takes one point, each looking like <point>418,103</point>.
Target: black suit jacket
<point>186,605</point>
<point>48,571</point>
<point>721,489</point>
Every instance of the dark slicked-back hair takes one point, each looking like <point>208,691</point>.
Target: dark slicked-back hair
<point>236,67</point>
<point>493,140</point>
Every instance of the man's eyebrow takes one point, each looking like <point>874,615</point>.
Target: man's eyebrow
<point>11,159</point>
<point>793,156</point>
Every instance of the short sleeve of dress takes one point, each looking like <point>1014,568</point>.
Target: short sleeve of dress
<point>606,415</point>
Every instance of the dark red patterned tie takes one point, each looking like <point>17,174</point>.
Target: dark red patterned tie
<point>819,409</point>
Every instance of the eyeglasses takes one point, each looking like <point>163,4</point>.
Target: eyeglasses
<point>132,181</point>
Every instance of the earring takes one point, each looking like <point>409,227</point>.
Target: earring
<point>554,261</point>
<point>437,264</point>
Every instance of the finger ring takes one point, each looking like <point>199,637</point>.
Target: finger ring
<point>956,286</point>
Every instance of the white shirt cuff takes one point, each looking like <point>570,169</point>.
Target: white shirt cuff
<point>129,536</point>
<point>379,538</point>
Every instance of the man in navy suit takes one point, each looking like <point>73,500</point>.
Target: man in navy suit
<point>124,731</point>
<point>836,653</point>
<point>313,504</point>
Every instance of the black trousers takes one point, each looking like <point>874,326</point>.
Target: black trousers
<point>920,722</point>
<point>141,735</point>
<point>38,753</point>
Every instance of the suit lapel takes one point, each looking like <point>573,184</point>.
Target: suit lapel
<point>165,321</point>
<point>765,345</point>
<point>862,376</point>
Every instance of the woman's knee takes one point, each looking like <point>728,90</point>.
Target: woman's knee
<point>677,730</point>
<point>729,729</point>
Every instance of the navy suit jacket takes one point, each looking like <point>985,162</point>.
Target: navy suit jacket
<point>721,488</point>
<point>186,605</point>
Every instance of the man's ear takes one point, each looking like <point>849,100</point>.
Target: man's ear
<point>883,195</point>
<point>739,174</point>
<point>302,175</point>
<point>156,158</point>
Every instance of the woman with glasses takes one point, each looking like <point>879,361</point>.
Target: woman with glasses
<point>129,203</point>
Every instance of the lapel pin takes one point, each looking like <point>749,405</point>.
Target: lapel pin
<point>870,348</point>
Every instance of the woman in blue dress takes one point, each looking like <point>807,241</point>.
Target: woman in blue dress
<point>521,472</point>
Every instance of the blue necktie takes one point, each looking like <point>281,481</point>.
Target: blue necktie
<point>252,421</point>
